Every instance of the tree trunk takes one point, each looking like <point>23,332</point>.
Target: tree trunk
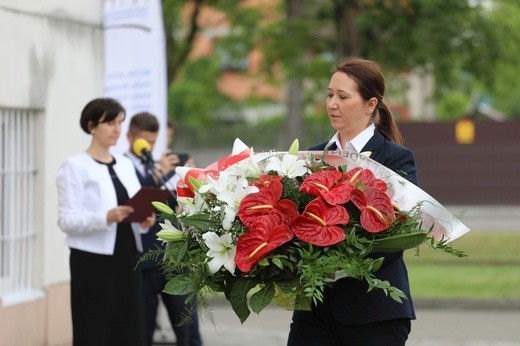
<point>294,101</point>
<point>347,33</point>
<point>294,122</point>
<point>177,52</point>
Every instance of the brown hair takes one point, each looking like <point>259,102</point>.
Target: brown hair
<point>143,121</point>
<point>371,83</point>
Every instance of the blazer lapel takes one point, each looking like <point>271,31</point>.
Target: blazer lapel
<point>331,147</point>
<point>374,145</point>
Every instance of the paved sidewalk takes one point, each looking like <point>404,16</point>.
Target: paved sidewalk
<point>433,327</point>
<point>488,218</point>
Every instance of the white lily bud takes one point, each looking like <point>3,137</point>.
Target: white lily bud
<point>163,208</point>
<point>170,235</point>
<point>295,146</point>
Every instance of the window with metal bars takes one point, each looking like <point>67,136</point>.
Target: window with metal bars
<point>17,177</point>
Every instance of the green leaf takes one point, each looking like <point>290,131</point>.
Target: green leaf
<point>287,286</point>
<point>181,252</point>
<point>262,298</point>
<point>180,284</point>
<point>277,262</point>
<point>376,264</point>
<point>397,295</point>
<point>399,242</point>
<point>200,221</point>
<point>263,262</point>
<point>288,296</point>
<point>238,298</point>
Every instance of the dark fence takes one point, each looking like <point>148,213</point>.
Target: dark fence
<point>484,172</point>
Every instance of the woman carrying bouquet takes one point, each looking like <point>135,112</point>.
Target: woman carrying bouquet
<point>349,315</point>
<point>104,250</point>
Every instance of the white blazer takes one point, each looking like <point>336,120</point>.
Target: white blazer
<point>85,195</point>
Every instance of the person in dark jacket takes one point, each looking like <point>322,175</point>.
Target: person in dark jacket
<point>349,314</point>
<point>146,126</point>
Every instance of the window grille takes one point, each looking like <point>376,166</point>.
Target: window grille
<point>17,177</point>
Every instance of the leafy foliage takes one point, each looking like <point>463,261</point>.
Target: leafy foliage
<point>192,102</point>
<point>506,29</point>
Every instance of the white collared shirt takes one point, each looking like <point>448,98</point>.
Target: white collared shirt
<point>138,163</point>
<point>357,143</point>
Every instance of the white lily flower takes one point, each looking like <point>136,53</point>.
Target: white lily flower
<point>247,167</point>
<point>238,146</point>
<point>191,205</point>
<point>229,216</point>
<point>221,250</point>
<point>289,166</point>
<point>167,225</point>
<point>233,196</point>
<point>237,189</point>
<point>223,182</point>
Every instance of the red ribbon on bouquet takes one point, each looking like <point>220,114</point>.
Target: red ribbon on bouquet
<point>184,188</point>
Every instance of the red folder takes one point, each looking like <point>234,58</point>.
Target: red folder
<point>142,203</point>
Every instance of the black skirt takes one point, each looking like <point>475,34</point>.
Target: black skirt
<point>106,295</point>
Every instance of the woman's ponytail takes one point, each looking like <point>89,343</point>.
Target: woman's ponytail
<point>386,125</point>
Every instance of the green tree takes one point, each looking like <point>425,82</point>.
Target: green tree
<point>179,36</point>
<point>449,39</point>
<point>505,89</point>
<point>454,40</point>
<point>193,98</point>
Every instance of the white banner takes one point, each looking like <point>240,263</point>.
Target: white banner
<point>135,62</point>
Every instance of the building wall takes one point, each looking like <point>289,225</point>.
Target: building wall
<point>51,62</point>
<point>483,171</point>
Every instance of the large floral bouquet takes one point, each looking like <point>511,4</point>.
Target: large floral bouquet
<point>282,226</point>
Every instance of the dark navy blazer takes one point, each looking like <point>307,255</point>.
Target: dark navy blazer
<point>348,298</point>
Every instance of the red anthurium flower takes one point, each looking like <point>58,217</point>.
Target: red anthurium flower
<point>377,212</point>
<point>379,184</point>
<point>365,177</point>
<point>318,223</point>
<point>329,186</point>
<point>264,235</point>
<point>266,180</point>
<point>265,202</point>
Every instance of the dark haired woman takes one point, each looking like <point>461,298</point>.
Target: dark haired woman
<point>92,187</point>
<point>349,314</point>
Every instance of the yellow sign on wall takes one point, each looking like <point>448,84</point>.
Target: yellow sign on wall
<point>465,131</point>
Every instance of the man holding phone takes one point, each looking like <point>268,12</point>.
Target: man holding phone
<point>145,126</point>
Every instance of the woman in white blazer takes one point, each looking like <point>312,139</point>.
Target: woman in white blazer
<point>92,187</point>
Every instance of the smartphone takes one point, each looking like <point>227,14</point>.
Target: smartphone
<point>183,157</point>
